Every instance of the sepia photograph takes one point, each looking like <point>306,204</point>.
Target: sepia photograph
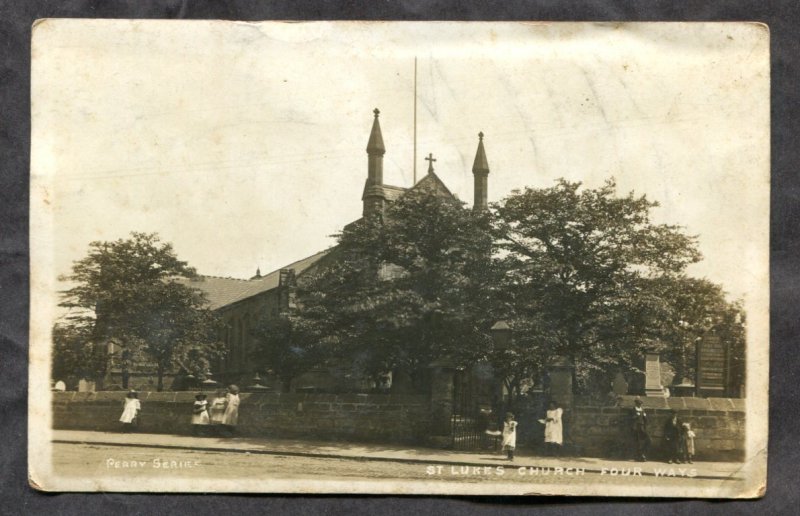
<point>400,257</point>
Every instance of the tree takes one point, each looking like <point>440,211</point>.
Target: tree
<point>289,345</point>
<point>589,268</point>
<point>74,354</point>
<point>696,307</point>
<point>133,292</point>
<point>406,288</point>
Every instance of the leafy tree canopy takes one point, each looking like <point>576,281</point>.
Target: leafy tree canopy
<point>406,288</point>
<point>585,272</point>
<point>133,291</point>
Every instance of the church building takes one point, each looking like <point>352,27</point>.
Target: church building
<point>242,302</point>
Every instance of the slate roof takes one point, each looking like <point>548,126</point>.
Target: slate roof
<point>226,291</point>
<point>432,181</point>
<point>393,193</point>
<point>222,292</point>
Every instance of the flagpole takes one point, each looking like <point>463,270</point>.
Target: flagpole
<point>415,121</point>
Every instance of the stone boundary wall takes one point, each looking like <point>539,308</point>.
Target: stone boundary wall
<point>607,430</point>
<point>358,417</point>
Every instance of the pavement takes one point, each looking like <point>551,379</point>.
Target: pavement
<point>389,453</point>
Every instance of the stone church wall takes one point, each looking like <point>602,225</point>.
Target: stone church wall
<point>595,429</point>
<point>590,429</point>
<point>385,418</point>
<point>239,319</point>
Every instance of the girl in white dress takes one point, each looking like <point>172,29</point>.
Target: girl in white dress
<point>553,430</point>
<point>130,411</point>
<point>509,435</point>
<point>231,417</point>
<point>199,414</point>
<point>217,411</point>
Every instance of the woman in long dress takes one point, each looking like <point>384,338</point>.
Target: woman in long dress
<point>553,429</point>
<point>509,435</point>
<point>231,417</point>
<point>130,411</point>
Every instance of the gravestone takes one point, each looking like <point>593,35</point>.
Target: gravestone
<point>652,375</point>
<point>60,386</point>
<point>712,358</point>
<point>619,385</point>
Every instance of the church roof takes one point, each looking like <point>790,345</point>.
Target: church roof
<point>222,292</point>
<point>432,182</point>
<point>393,193</point>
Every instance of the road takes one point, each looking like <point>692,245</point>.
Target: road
<point>95,460</point>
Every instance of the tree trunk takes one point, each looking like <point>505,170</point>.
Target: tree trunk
<point>100,363</point>
<point>286,384</point>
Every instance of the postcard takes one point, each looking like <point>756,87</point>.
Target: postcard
<point>400,258</point>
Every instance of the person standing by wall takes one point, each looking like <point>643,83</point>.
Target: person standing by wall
<point>672,438</point>
<point>200,418</point>
<point>688,442</point>
<point>231,417</point>
<point>216,412</point>
<point>640,436</point>
<point>553,429</point>
<point>130,411</point>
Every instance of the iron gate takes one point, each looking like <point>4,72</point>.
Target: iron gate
<point>472,416</point>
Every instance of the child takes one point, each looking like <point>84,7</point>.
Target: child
<point>130,411</point>
<point>199,414</point>
<point>231,416</point>
<point>509,435</point>
<point>553,430</point>
<point>217,410</point>
<point>688,440</point>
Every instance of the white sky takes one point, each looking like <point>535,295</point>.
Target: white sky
<point>244,144</point>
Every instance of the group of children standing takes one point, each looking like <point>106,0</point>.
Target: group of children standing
<point>679,438</point>
<point>678,435</point>
<point>219,417</point>
<point>553,432</point>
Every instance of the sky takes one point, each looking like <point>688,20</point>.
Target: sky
<point>243,144</point>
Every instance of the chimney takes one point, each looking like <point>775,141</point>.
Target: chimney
<point>480,171</point>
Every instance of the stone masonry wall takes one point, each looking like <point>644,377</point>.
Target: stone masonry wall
<point>607,431</point>
<point>356,417</point>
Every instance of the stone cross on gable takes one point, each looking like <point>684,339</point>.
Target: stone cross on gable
<point>430,159</point>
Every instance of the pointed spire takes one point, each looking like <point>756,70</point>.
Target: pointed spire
<point>481,164</point>
<point>480,172</point>
<point>375,144</point>
<point>374,196</point>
